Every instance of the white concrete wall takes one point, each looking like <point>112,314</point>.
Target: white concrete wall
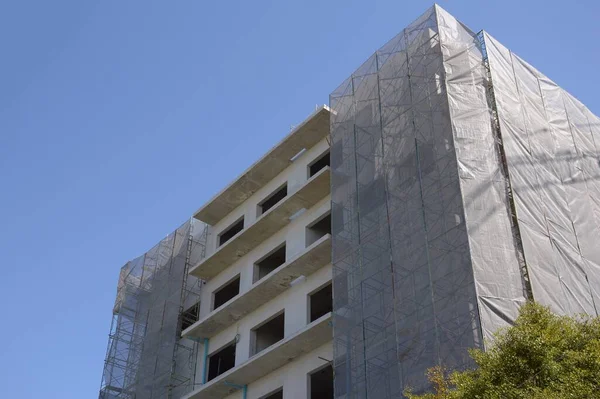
<point>292,377</point>
<point>294,235</point>
<point>296,176</point>
<point>294,301</point>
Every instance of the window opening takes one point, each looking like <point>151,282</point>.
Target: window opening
<point>267,334</point>
<point>221,361</point>
<point>232,230</point>
<point>321,383</point>
<point>226,292</point>
<point>272,199</point>
<point>190,316</point>
<point>318,229</point>
<point>320,163</point>
<point>320,302</point>
<point>269,263</point>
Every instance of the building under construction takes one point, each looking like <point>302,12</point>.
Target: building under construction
<point>447,182</point>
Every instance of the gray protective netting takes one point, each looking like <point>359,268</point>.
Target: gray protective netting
<point>400,246</point>
<point>553,154</point>
<point>146,356</point>
<point>464,182</point>
<point>494,238</point>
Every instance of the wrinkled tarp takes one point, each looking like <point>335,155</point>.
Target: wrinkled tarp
<point>553,160</point>
<point>463,181</point>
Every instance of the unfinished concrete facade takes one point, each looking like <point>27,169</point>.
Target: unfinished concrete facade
<point>237,302</point>
<point>260,337</point>
<point>448,182</point>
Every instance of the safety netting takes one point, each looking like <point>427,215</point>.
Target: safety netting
<point>464,182</point>
<point>146,356</point>
<point>552,146</point>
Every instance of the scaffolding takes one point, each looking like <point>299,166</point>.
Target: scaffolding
<point>552,150</point>
<point>396,214</point>
<point>463,183</point>
<point>146,356</point>
<point>454,200</point>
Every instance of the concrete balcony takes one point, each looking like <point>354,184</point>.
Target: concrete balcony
<point>304,136</point>
<point>314,335</point>
<point>307,262</point>
<point>315,189</point>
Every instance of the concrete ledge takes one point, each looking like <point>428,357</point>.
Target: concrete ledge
<point>305,135</point>
<point>314,335</point>
<point>307,262</point>
<point>315,189</point>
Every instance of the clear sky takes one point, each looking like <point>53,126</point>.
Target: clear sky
<point>118,119</point>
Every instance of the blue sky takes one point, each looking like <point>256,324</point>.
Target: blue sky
<point>118,119</point>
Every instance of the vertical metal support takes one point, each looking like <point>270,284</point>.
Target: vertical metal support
<point>528,293</point>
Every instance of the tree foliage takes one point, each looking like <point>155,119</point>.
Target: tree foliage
<point>543,356</point>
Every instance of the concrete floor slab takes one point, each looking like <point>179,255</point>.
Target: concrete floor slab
<point>304,136</point>
<point>315,189</point>
<point>314,335</point>
<point>307,262</point>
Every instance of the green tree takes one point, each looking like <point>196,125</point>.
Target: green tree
<point>543,356</point>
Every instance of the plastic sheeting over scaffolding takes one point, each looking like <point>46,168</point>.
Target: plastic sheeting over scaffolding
<point>440,226</point>
<point>552,146</point>
<point>146,356</point>
<point>494,242</point>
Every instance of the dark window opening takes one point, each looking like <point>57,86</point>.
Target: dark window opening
<point>232,230</point>
<point>319,164</point>
<point>318,230</point>
<point>269,263</point>
<point>321,383</point>
<point>275,395</point>
<point>320,302</point>
<point>221,361</point>
<point>226,292</point>
<point>267,334</point>
<point>272,200</point>
<point>190,316</point>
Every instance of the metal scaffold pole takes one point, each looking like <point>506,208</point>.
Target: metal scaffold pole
<point>146,356</point>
